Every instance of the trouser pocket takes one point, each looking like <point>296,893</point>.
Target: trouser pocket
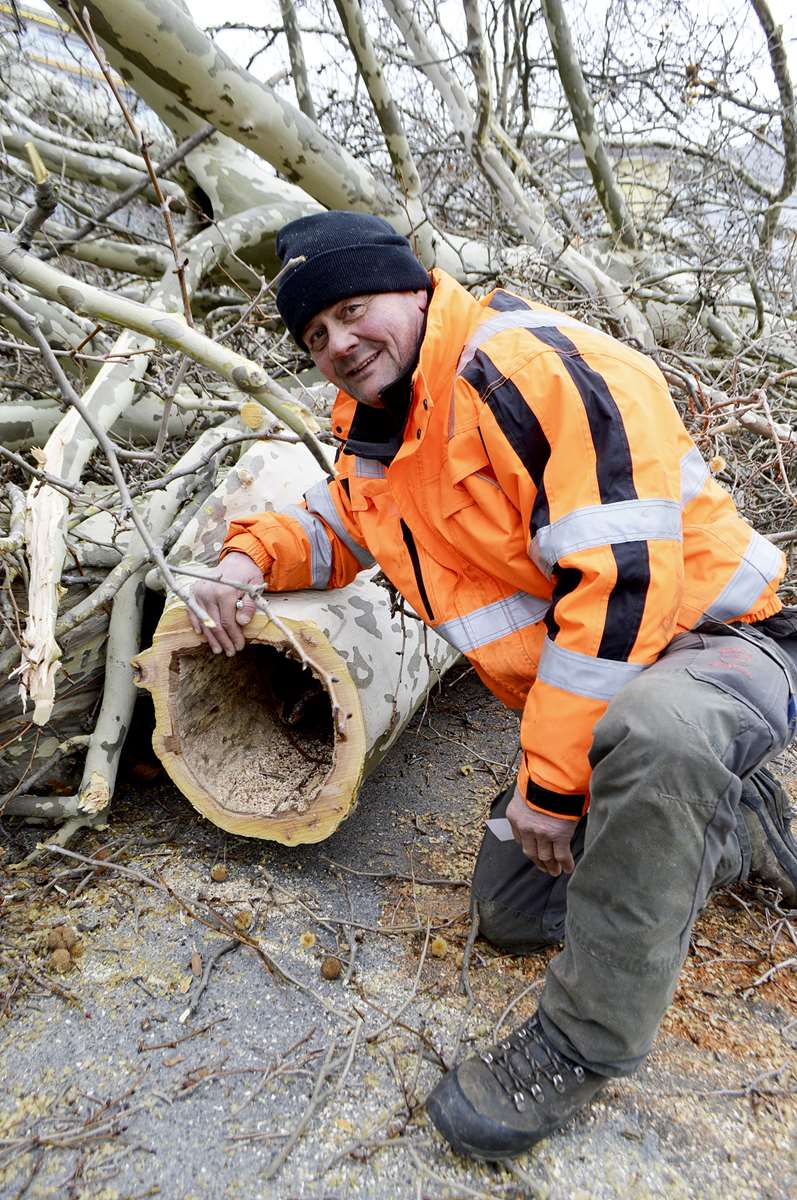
<point>758,672</point>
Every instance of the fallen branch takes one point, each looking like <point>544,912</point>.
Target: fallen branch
<point>214,922</point>
<point>135,189</point>
<point>317,1099</point>
<point>168,328</point>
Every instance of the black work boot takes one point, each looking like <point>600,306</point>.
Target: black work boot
<point>500,1103</point>
<point>766,826</point>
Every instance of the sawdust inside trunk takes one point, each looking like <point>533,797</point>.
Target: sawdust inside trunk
<point>255,729</point>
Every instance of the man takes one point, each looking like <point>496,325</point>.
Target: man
<point>526,483</point>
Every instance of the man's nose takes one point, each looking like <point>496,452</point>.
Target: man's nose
<point>341,340</point>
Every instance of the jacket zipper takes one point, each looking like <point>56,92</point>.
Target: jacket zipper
<point>412,550</point>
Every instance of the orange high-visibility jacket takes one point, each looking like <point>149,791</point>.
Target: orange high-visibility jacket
<point>546,512</point>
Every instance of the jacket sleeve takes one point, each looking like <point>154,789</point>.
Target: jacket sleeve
<point>586,445</point>
<point>316,544</point>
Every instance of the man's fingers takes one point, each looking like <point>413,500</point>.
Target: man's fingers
<point>217,637</point>
<point>218,596</point>
<point>541,852</point>
<point>244,610</point>
<point>544,838</point>
<point>210,634</point>
<point>564,857</point>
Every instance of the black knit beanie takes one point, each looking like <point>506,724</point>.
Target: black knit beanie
<point>346,254</point>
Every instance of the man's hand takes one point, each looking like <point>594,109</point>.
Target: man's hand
<point>543,839</point>
<point>218,600</point>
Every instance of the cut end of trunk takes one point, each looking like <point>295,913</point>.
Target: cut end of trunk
<point>262,743</point>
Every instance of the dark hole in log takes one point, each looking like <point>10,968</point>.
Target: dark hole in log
<point>255,730</point>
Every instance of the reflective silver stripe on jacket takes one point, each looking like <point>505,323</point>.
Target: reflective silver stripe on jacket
<point>320,549</point>
<point>494,621</point>
<point>519,318</point>
<point>602,524</point>
<point>598,678</point>
<point>369,468</point>
<point>694,473</point>
<point>760,565</point>
<point>318,500</point>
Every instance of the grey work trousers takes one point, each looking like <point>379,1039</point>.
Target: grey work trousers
<point>669,759</point>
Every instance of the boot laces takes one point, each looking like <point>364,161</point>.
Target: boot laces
<point>521,1073</point>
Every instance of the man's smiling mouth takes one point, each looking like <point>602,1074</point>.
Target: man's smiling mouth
<point>353,371</point>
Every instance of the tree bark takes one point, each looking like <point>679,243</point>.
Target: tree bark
<point>788,117</point>
<point>372,75</point>
<point>580,102</point>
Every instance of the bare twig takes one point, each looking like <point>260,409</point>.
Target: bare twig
<point>143,1048</point>
<point>473,933</point>
<point>201,987</point>
<point>106,445</point>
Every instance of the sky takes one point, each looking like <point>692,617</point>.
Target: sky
<point>208,12</point>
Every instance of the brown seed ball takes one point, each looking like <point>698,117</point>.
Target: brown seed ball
<point>243,920</point>
<point>77,950</point>
<point>69,936</point>
<point>55,938</point>
<point>218,873</point>
<point>60,960</point>
<point>438,947</point>
<point>331,967</point>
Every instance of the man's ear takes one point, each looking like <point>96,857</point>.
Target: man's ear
<point>422,299</point>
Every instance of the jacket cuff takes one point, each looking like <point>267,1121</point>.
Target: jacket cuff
<point>566,806</point>
<point>247,543</point>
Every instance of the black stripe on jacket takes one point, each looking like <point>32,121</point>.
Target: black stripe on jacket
<point>614,470</point>
<point>518,424</point>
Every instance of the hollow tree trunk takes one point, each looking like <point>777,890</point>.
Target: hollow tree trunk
<point>275,742</point>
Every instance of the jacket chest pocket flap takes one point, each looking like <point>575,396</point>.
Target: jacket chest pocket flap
<point>365,491</point>
<point>465,457</point>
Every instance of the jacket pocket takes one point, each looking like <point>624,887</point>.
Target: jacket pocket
<point>465,457</point>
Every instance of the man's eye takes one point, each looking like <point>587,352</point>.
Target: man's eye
<point>316,338</point>
<point>354,309</point>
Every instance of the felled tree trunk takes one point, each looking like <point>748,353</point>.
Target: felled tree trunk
<point>275,742</point>
<point>27,748</point>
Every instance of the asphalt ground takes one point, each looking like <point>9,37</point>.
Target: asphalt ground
<point>172,1060</point>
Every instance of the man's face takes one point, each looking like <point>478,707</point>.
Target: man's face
<point>364,343</point>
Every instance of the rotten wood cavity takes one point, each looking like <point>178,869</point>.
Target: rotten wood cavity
<point>251,740</point>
